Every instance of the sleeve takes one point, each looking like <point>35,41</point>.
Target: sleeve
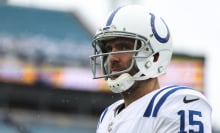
<point>186,111</point>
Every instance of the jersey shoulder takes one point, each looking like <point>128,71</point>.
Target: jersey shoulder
<point>174,98</point>
<point>184,95</point>
<point>179,109</point>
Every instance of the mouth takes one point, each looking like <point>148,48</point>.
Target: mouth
<point>115,75</point>
<point>114,72</point>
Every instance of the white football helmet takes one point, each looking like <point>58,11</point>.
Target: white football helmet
<point>133,21</point>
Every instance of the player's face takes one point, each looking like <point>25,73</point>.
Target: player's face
<point>121,61</point>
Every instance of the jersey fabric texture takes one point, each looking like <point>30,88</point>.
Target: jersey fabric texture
<point>172,109</point>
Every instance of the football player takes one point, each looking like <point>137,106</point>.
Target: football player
<point>132,49</point>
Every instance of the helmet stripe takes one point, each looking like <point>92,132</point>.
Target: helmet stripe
<point>110,19</point>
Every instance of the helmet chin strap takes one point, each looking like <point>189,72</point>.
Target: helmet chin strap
<point>123,82</point>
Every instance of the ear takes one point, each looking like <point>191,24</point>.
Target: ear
<point>156,57</point>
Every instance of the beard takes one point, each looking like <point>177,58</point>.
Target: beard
<point>117,70</point>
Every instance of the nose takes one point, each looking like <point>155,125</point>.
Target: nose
<point>113,58</point>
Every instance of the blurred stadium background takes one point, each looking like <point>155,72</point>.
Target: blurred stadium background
<point>46,85</point>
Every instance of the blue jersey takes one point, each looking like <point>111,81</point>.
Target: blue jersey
<point>173,109</point>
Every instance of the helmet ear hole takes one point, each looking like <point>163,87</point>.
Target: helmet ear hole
<point>156,57</point>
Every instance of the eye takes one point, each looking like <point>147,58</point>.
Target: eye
<point>125,47</point>
<point>105,48</point>
<point>108,48</point>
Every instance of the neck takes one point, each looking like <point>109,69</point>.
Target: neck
<point>139,89</point>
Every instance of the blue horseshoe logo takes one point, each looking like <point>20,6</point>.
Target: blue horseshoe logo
<point>159,38</point>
